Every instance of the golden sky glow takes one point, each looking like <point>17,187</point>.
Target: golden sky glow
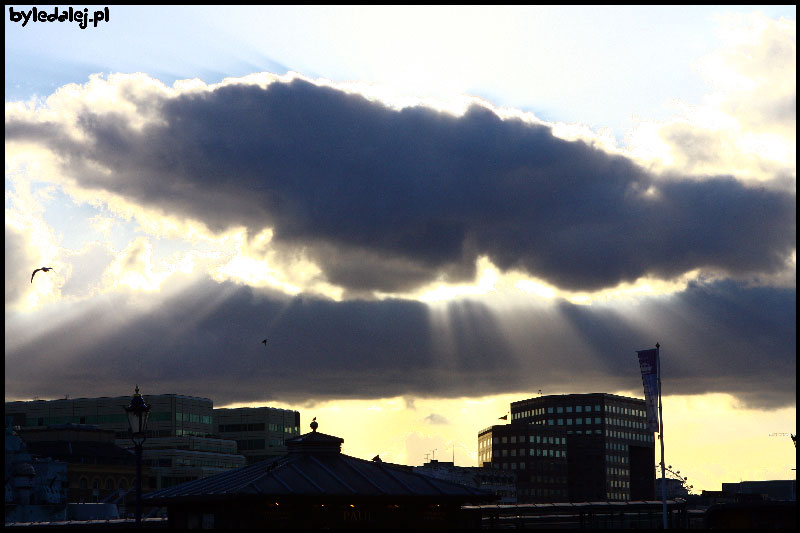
<point>709,438</point>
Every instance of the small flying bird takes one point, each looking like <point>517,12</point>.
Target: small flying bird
<point>43,269</point>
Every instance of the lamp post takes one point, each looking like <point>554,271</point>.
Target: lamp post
<point>138,411</point>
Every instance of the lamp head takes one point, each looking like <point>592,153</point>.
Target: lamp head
<point>138,412</point>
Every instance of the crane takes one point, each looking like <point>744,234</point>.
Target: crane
<point>793,435</point>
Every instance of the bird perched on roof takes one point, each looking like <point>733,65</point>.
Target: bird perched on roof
<point>43,269</point>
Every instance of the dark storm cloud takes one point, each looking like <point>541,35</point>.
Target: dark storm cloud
<point>389,200</point>
<point>206,341</point>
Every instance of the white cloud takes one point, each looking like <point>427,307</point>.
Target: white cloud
<point>747,125</point>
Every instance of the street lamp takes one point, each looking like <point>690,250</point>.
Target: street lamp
<point>138,411</point>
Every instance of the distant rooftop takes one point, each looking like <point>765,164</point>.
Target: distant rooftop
<point>127,397</point>
<point>315,467</point>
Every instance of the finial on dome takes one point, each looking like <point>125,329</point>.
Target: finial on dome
<point>314,424</point>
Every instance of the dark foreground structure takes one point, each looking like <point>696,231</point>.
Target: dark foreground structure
<point>752,515</point>
<point>587,515</point>
<point>316,486</point>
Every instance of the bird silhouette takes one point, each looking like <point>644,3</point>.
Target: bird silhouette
<point>43,269</point>
<point>264,342</point>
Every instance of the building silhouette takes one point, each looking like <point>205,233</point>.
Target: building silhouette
<point>35,488</point>
<point>97,469</point>
<point>501,483</point>
<point>574,448</point>
<point>314,485</point>
<point>259,432</point>
<point>181,443</point>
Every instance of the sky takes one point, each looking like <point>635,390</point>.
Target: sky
<point>429,212</point>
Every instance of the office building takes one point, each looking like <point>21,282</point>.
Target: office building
<point>259,432</point>
<point>171,415</point>
<point>535,454</point>
<point>575,447</point>
<point>180,446</point>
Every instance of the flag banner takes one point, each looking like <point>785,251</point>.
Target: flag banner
<point>504,417</point>
<point>648,362</point>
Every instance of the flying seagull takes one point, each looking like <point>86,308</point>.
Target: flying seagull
<point>43,269</point>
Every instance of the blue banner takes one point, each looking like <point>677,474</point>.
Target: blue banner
<point>648,362</point>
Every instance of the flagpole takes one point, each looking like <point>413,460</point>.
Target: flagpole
<point>661,438</point>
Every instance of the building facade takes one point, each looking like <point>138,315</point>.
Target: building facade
<point>259,432</point>
<point>171,415</point>
<point>35,488</point>
<point>535,454</point>
<point>501,483</point>
<point>97,469</point>
<point>181,444</point>
<point>575,447</point>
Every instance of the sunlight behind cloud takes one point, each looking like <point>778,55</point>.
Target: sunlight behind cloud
<point>256,262</point>
<point>133,268</point>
